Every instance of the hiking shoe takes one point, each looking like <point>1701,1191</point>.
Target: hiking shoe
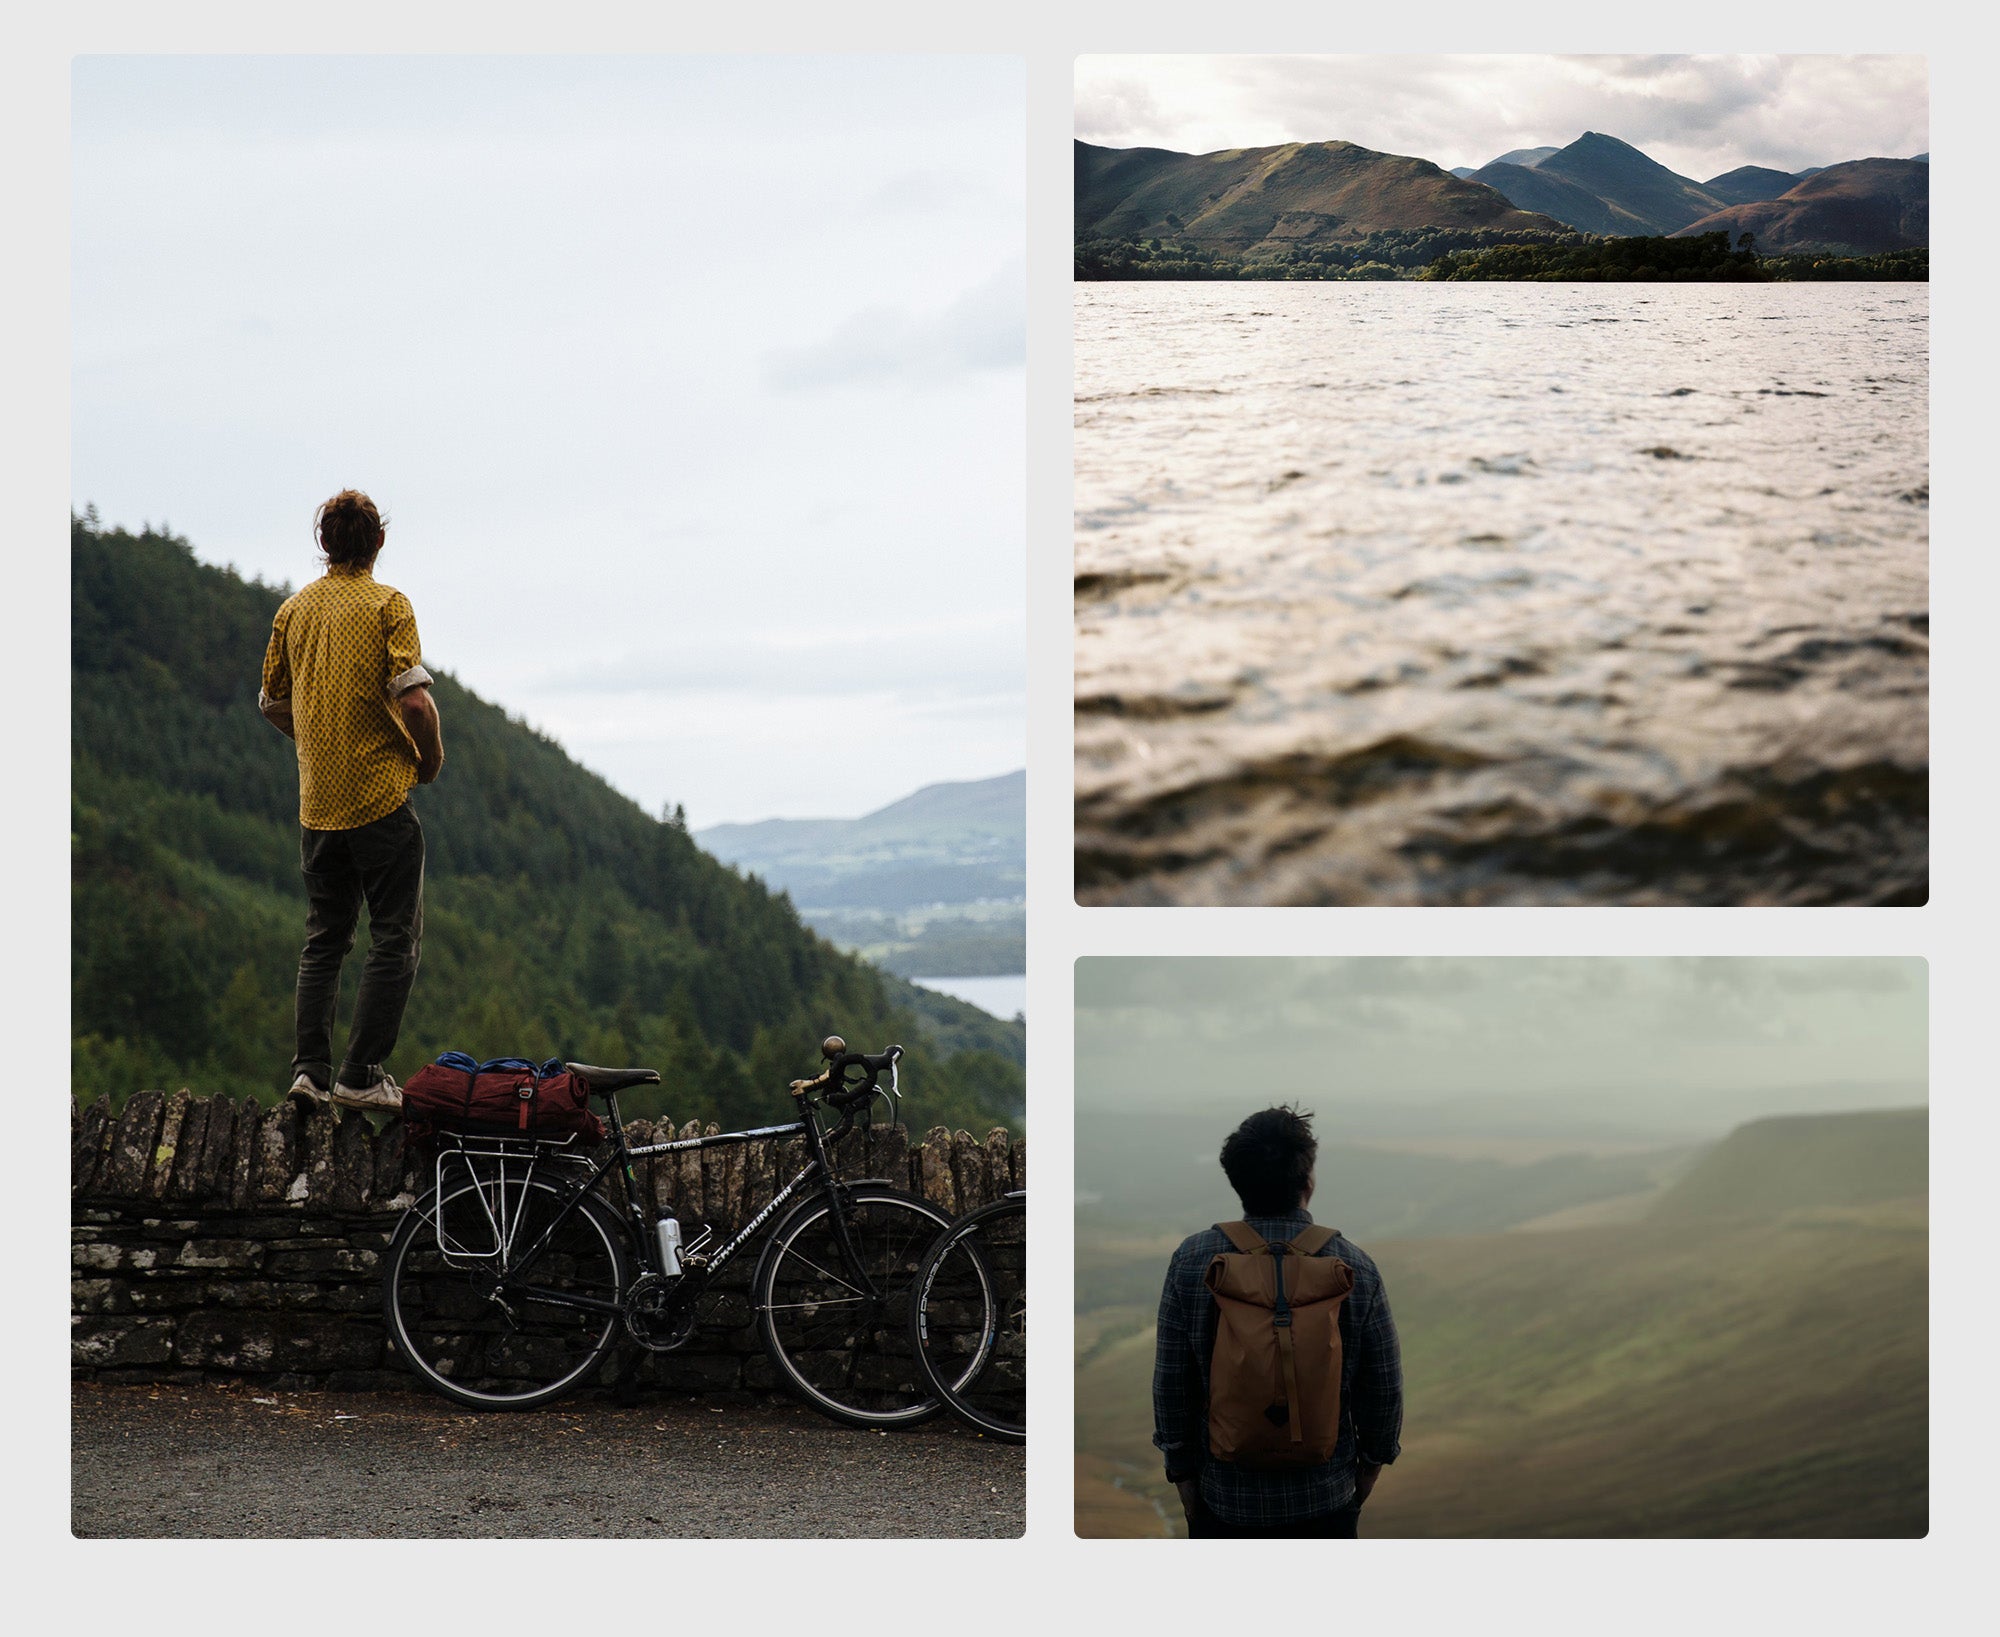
<point>384,1095</point>
<point>307,1090</point>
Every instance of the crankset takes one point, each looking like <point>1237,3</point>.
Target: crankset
<point>659,1312</point>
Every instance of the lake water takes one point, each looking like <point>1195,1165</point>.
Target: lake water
<point>1005,997</point>
<point>1501,593</point>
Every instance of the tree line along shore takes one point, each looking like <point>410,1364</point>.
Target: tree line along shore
<point>1528,256</point>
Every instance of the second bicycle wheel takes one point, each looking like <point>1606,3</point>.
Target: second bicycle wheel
<point>834,1309</point>
<point>981,1374</point>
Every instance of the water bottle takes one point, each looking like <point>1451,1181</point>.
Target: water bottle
<point>670,1246</point>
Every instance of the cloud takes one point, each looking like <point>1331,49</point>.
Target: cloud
<point>983,329</point>
<point>1700,115</point>
<point>850,652</point>
<point>930,195</point>
<point>1522,1028</point>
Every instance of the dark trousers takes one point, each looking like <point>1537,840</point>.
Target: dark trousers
<point>1341,1525</point>
<point>380,864</point>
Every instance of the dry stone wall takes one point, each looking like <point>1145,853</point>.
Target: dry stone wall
<point>213,1238</point>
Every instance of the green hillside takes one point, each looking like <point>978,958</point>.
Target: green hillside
<point>1750,184</point>
<point>559,917</point>
<point>1867,207</point>
<point>1737,1380</point>
<point>1557,197</point>
<point>1300,193</point>
<point>1380,1190</point>
<point>968,822</point>
<point>1805,1163</point>
<point>1762,1375</point>
<point>1630,182</point>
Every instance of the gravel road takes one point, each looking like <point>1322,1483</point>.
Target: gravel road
<point>236,1461</point>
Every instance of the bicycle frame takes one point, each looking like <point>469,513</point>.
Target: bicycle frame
<point>817,1167</point>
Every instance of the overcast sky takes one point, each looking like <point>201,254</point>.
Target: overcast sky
<point>1644,1036</point>
<point>693,388</point>
<point>1700,116</point>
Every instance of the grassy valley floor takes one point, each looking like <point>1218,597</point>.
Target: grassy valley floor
<point>1756,1378</point>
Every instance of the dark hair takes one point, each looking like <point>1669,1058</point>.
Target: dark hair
<point>1269,1159</point>
<point>348,528</point>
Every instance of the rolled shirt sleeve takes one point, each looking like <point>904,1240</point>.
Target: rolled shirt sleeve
<point>276,687</point>
<point>404,651</point>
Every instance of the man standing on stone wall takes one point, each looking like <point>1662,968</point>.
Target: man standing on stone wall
<point>344,678</point>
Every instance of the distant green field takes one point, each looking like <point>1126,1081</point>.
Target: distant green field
<point>1747,1375</point>
<point>987,941</point>
<point>1804,1161</point>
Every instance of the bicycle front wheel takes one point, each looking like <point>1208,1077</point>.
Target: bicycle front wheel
<point>479,1323</point>
<point>979,1373</point>
<point>833,1295</point>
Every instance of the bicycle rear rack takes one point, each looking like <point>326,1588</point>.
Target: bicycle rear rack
<point>497,1172</point>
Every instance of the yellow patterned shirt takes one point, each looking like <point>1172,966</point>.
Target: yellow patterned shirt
<point>342,650</point>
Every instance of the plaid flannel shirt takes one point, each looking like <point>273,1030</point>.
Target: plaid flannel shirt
<point>1371,1387</point>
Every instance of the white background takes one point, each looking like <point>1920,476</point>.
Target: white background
<point>1050,1581</point>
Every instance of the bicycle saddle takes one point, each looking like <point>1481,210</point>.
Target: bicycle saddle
<point>613,1079</point>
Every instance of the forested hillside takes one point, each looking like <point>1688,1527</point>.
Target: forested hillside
<point>559,917</point>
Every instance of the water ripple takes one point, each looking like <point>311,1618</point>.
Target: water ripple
<point>1469,594</point>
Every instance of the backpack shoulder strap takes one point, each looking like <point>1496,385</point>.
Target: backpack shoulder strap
<point>1244,1237</point>
<point>1311,1241</point>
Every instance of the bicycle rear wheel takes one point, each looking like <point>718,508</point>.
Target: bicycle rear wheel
<point>837,1327</point>
<point>472,1336</point>
<point>980,1375</point>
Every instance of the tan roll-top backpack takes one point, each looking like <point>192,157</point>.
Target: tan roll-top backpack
<point>1274,1376</point>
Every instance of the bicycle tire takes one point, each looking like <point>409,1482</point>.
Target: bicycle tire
<point>991,1394</point>
<point>845,1354</point>
<point>445,1324</point>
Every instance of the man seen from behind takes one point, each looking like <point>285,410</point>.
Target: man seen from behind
<point>1269,1160</point>
<point>344,678</point>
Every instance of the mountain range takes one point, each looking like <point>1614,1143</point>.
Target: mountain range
<point>1246,199</point>
<point>932,885</point>
<point>1598,179</point>
<point>957,841</point>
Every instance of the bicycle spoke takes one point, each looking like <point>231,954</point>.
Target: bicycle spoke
<point>460,1324</point>
<point>842,1346</point>
<point>833,1277</point>
<point>981,1375</point>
